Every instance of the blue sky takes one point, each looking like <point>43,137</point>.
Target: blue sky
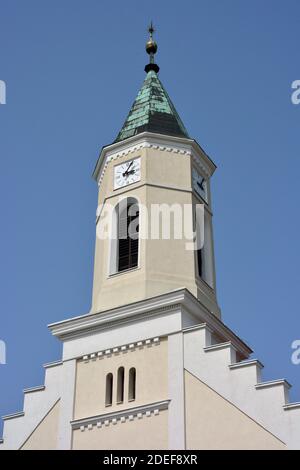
<point>72,69</point>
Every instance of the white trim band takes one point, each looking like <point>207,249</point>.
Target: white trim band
<point>152,409</point>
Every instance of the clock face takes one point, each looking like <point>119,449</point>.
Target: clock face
<point>127,173</point>
<point>199,184</point>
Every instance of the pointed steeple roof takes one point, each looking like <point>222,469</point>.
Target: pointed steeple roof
<point>152,110</point>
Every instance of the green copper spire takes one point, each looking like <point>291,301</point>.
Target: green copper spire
<point>152,111</point>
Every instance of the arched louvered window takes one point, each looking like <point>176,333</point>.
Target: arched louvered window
<point>132,384</point>
<point>128,235</point>
<point>109,390</point>
<point>120,385</point>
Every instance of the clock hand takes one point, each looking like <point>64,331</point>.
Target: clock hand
<point>131,163</point>
<point>201,184</point>
<point>126,172</point>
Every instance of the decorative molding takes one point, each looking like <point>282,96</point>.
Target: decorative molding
<point>176,145</point>
<point>119,417</point>
<point>93,322</point>
<point>180,299</point>
<point>147,145</point>
<point>120,349</point>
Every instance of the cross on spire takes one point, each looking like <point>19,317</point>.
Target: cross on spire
<point>151,49</point>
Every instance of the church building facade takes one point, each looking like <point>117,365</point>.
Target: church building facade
<point>152,365</point>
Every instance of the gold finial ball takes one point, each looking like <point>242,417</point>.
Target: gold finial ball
<point>151,46</point>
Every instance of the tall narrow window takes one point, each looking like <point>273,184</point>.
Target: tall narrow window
<point>199,224</point>
<point>120,386</point>
<point>109,390</point>
<point>132,384</point>
<point>204,258</point>
<point>128,234</point>
<point>199,259</point>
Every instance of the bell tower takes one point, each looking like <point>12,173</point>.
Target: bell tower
<point>156,171</point>
<point>152,366</point>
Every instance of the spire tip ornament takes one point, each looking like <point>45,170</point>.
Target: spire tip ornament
<point>151,49</point>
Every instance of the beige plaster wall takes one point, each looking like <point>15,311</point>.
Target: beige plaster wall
<point>151,379</point>
<point>146,433</point>
<point>113,291</point>
<point>164,265</point>
<point>214,423</point>
<point>45,435</point>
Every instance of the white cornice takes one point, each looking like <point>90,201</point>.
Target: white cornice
<point>176,145</point>
<point>19,414</point>
<point>273,383</point>
<point>180,300</point>
<point>202,326</point>
<point>115,417</point>
<point>250,362</point>
<point>91,323</point>
<point>39,388</point>
<point>218,346</point>
<point>48,365</point>
<point>292,406</point>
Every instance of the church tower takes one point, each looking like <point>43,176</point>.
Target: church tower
<point>155,164</point>
<point>152,365</point>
